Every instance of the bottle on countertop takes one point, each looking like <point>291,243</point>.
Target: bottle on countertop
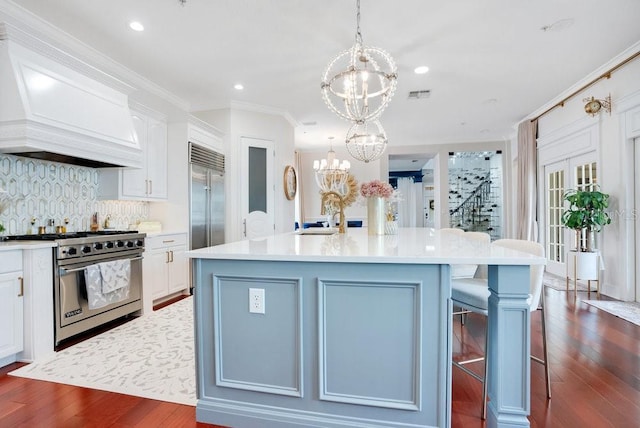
<point>94,222</point>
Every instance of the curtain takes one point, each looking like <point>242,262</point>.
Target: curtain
<point>526,204</point>
<point>407,204</point>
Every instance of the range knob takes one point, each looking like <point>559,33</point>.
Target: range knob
<point>72,251</point>
<point>130,244</point>
<point>120,244</point>
<point>140,243</point>
<point>98,246</point>
<point>86,249</point>
<point>108,244</point>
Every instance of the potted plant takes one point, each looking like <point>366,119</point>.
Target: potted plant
<point>586,212</point>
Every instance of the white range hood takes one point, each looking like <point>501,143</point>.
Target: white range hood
<point>50,111</point>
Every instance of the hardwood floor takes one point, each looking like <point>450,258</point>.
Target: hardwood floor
<point>594,360</point>
<point>595,376</point>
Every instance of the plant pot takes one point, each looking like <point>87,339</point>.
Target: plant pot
<point>587,265</point>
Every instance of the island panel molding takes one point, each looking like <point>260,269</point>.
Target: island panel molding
<point>509,396</point>
<point>268,356</point>
<point>424,292</point>
<point>391,342</point>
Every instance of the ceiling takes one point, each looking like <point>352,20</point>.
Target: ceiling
<point>491,63</point>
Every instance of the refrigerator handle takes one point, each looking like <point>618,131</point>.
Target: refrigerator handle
<point>244,223</point>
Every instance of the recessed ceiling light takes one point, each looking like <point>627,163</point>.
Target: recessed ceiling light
<point>421,70</point>
<point>238,87</point>
<point>136,26</point>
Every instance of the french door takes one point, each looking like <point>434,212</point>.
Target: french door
<point>579,173</point>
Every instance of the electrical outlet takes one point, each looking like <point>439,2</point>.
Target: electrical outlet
<point>256,300</point>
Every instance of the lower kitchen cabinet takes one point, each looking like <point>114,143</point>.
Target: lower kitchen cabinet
<point>166,268</point>
<point>11,307</point>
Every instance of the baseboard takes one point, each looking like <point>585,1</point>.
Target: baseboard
<point>245,415</point>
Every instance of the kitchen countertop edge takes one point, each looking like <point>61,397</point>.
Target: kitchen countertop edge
<point>26,245</point>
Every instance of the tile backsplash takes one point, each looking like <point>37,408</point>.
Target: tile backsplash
<point>49,190</point>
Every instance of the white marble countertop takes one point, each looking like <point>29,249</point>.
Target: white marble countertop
<point>410,245</point>
<point>26,245</point>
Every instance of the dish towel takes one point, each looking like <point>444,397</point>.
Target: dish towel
<point>115,275</point>
<point>94,281</point>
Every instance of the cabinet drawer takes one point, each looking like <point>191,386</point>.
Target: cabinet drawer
<point>164,241</point>
<point>11,261</point>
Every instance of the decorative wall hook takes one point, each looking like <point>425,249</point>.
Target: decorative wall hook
<point>593,105</point>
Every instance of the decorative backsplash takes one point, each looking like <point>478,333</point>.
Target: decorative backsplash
<point>49,190</point>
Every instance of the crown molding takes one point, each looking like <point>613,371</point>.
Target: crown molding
<point>241,105</point>
<point>141,108</point>
<point>206,126</point>
<point>631,50</point>
<point>19,25</point>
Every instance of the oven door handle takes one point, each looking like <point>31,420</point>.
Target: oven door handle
<point>64,271</point>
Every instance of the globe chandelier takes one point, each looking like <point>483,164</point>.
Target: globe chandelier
<point>359,83</point>
<point>366,141</point>
<point>331,174</point>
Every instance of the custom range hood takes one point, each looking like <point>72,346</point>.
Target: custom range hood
<point>51,111</point>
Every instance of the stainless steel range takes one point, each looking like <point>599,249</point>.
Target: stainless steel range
<point>78,253</point>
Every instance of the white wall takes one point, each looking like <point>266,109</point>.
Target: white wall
<point>616,169</point>
<point>311,194</point>
<point>237,123</point>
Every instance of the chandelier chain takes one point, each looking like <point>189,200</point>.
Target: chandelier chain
<point>358,33</point>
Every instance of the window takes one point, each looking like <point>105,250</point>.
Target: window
<point>555,236</point>
<point>585,178</point>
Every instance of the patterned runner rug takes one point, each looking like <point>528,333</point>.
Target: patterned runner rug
<point>560,283</point>
<point>629,311</point>
<point>151,357</point>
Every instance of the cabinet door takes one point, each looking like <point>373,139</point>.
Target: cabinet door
<point>178,270</point>
<point>134,180</point>
<point>157,273</point>
<point>157,159</point>
<point>11,314</point>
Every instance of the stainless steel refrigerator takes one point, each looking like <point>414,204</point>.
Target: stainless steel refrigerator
<point>206,197</point>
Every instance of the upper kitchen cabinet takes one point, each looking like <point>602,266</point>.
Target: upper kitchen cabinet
<point>148,183</point>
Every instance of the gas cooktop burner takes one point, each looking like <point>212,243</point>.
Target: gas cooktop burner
<point>84,244</point>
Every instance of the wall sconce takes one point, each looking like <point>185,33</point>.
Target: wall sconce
<point>593,106</point>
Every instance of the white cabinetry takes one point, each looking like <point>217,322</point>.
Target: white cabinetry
<point>166,268</point>
<point>11,306</point>
<point>146,183</point>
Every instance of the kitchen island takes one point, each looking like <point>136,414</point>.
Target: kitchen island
<point>350,330</point>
